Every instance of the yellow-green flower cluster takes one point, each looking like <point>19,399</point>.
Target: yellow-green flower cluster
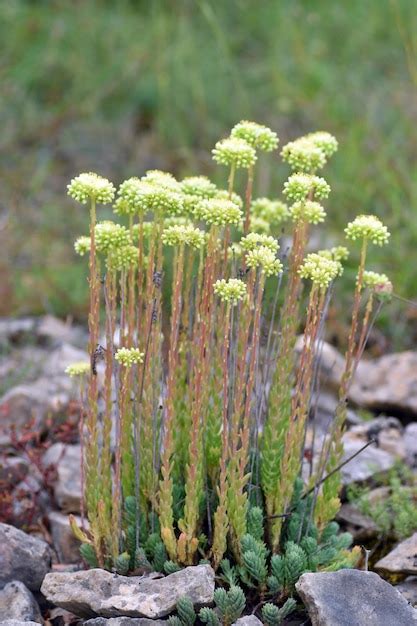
<point>254,240</point>
<point>90,186</point>
<point>257,135</point>
<point>265,259</point>
<point>80,368</point>
<point>110,235</point>
<point>308,211</point>
<point>122,258</point>
<point>159,199</point>
<point>234,152</point>
<point>162,179</point>
<point>219,212</point>
<point>319,269</point>
<point>82,245</point>
<point>199,186</point>
<point>368,227</point>
<point>274,212</point>
<point>338,253</point>
<point>127,201</point>
<point>232,290</point>
<point>374,279</point>
<point>259,225</point>
<point>183,234</point>
<point>129,356</point>
<point>325,141</point>
<point>303,155</point>
<point>300,185</point>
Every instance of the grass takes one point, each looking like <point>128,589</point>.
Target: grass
<point>118,87</point>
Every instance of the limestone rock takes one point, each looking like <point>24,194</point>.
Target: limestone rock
<point>98,592</point>
<point>410,443</point>
<point>369,462</point>
<point>125,621</point>
<point>359,525</point>
<point>352,597</point>
<point>408,589</point>
<point>67,489</point>
<point>402,559</point>
<point>248,620</point>
<point>23,558</point>
<point>65,543</point>
<point>17,602</point>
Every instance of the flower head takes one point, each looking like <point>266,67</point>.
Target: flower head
<point>273,211</point>
<point>183,234</point>
<point>255,240</point>
<point>320,269</point>
<point>162,179</point>
<point>231,290</point>
<point>380,284</point>
<point>299,186</point>
<point>129,356</point>
<point>159,199</point>
<point>325,141</point>
<point>122,258</point>
<point>256,135</point>
<point>308,211</point>
<point>110,235</point>
<point>82,245</point>
<point>234,151</point>
<point>219,212</point>
<point>80,368</point>
<point>199,186</point>
<point>265,259</point>
<point>127,201</point>
<point>90,186</point>
<point>303,155</point>
<point>368,227</point>
<point>337,253</point>
<point>259,225</point>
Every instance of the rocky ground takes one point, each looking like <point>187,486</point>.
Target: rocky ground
<point>41,578</point>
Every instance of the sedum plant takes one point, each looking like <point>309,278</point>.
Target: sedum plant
<point>209,420</point>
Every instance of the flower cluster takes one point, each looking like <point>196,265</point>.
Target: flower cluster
<point>338,253</point>
<point>303,155</point>
<point>162,179</point>
<point>82,245</point>
<point>129,356</point>
<point>256,135</point>
<point>368,227</point>
<point>80,368</point>
<point>183,234</point>
<point>199,186</point>
<point>90,186</point>
<point>127,201</point>
<point>158,198</point>
<point>265,259</point>
<point>122,258</point>
<point>308,211</point>
<point>231,290</point>
<point>219,212</point>
<point>299,186</point>
<point>110,235</point>
<point>320,269</point>
<point>325,141</point>
<point>274,212</point>
<point>254,240</point>
<point>234,152</point>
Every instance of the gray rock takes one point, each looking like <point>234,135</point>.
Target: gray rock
<point>390,384</point>
<point>402,559</point>
<point>52,330</point>
<point>60,358</point>
<point>386,431</point>
<point>23,558</point>
<point>408,589</point>
<point>67,488</point>
<point>248,620</point>
<point>368,463</point>
<point>13,330</point>
<point>18,622</point>
<point>124,621</point>
<point>323,408</point>
<point>17,602</point>
<point>410,443</point>
<point>66,545</point>
<point>359,525</point>
<point>353,598</point>
<point>97,592</point>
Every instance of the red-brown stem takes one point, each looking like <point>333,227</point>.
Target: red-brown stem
<point>248,199</point>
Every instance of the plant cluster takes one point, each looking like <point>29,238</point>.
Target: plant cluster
<point>210,423</point>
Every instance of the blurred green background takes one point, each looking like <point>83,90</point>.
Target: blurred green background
<point>121,87</point>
